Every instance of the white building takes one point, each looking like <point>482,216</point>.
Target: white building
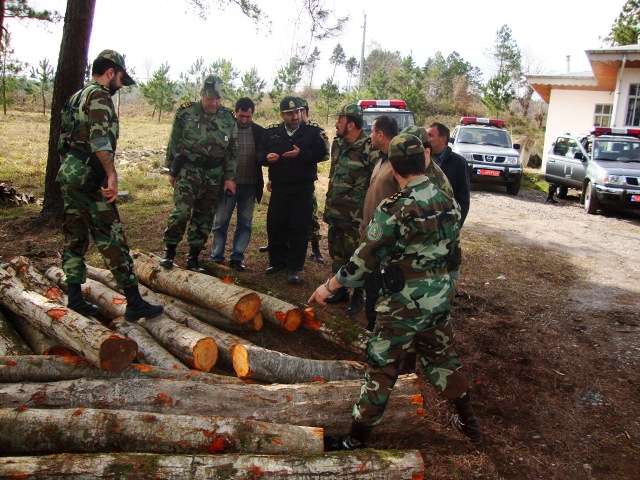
<point>608,96</point>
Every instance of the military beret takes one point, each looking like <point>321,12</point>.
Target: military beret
<point>404,145</point>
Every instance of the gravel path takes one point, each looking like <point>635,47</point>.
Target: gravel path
<point>606,247</point>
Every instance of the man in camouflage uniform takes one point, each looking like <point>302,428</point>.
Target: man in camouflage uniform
<point>201,155</point>
<point>352,161</point>
<point>408,247</point>
<point>89,184</point>
<point>291,150</point>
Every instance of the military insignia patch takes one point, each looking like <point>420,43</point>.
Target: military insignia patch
<point>393,197</point>
<point>374,232</point>
<point>186,104</point>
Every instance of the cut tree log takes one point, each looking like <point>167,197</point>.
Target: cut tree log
<point>326,405</point>
<point>177,308</point>
<point>251,361</point>
<point>11,343</point>
<point>99,345</point>
<point>280,312</point>
<point>81,430</point>
<point>236,303</point>
<point>340,331</point>
<point>35,281</point>
<point>363,464</point>
<point>150,352</point>
<point>196,350</point>
<point>38,341</point>
<point>52,368</point>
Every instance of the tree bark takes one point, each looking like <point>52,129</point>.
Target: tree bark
<point>70,71</point>
<point>239,304</point>
<point>32,431</point>
<point>363,465</point>
<point>150,352</point>
<point>174,307</point>
<point>38,341</point>
<point>11,343</point>
<point>280,312</point>
<point>99,345</point>
<point>326,405</point>
<point>51,368</point>
<point>251,361</point>
<point>35,281</point>
<point>193,348</point>
<point>337,330</point>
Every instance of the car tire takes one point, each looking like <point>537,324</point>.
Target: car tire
<point>514,188</point>
<point>590,199</point>
<point>562,192</point>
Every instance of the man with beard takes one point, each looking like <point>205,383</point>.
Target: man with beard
<point>89,184</point>
<point>291,150</point>
<point>352,160</point>
<point>201,155</point>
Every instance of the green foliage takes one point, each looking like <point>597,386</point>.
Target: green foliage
<point>338,57</point>
<point>626,28</point>
<point>191,82</point>
<point>383,60</point>
<point>229,74</point>
<point>252,86</point>
<point>329,99</point>
<point>43,75</point>
<point>160,92</point>
<point>21,10</point>
<point>10,69</point>
<point>408,84</point>
<point>378,86</point>
<point>311,62</point>
<point>287,78</point>
<point>498,93</point>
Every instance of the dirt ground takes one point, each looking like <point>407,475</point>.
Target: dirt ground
<point>549,334</point>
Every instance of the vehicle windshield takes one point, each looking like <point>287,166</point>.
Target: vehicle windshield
<point>616,150</point>
<point>485,136</point>
<point>404,119</point>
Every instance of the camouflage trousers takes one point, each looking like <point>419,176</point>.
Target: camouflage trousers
<point>195,197</point>
<point>434,340</point>
<point>314,229</point>
<point>343,241</point>
<point>88,214</point>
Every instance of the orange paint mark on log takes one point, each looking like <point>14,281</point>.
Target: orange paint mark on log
<point>281,316</point>
<point>73,360</point>
<point>119,301</point>
<point>181,443</point>
<point>53,293</point>
<point>228,280</point>
<point>57,313</point>
<point>288,398</point>
<point>175,366</point>
<point>164,399</point>
<point>219,444</point>
<point>277,441</point>
<point>143,368</point>
<point>420,412</point>
<point>310,320</point>
<point>77,412</point>
<point>417,476</point>
<point>363,467</point>
<point>318,379</point>
<point>256,471</point>
<point>11,363</point>
<point>22,268</point>
<point>417,399</point>
<point>39,397</point>
<point>22,408</point>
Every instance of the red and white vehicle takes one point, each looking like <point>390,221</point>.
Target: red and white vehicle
<point>487,147</point>
<point>396,108</point>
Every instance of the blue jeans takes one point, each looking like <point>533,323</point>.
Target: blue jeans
<point>245,198</point>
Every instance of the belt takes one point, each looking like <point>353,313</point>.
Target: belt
<point>408,276</point>
<point>80,154</point>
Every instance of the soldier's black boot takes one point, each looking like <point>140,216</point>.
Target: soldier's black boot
<point>357,303</point>
<point>465,420</point>
<point>410,362</point>
<point>138,308</point>
<point>338,296</point>
<point>77,303</point>
<point>355,439</point>
<point>192,260</point>
<point>315,252</point>
<point>168,256</point>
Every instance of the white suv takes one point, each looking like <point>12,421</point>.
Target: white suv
<point>487,147</point>
<point>371,109</point>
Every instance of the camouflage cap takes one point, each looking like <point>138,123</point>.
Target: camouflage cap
<point>417,131</point>
<point>403,145</point>
<point>118,59</point>
<point>351,109</point>
<point>212,87</point>
<point>290,104</point>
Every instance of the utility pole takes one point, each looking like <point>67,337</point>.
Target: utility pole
<point>364,31</point>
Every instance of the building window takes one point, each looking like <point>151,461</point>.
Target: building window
<point>633,108</point>
<point>602,116</point>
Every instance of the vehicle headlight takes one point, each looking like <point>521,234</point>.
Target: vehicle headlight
<point>613,179</point>
<point>468,156</point>
<point>511,160</point>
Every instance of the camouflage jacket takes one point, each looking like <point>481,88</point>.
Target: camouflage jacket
<point>89,124</point>
<point>351,168</point>
<point>416,230</point>
<point>208,140</point>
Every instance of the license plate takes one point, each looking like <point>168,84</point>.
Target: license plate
<point>489,173</point>
<point>635,198</point>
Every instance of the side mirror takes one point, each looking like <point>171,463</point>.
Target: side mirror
<point>579,156</point>
<point>516,146</point>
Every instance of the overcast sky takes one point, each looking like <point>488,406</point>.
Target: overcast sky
<point>151,32</point>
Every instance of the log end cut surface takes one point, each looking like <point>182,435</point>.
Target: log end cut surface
<point>205,354</point>
<point>292,320</point>
<point>240,361</point>
<point>117,353</point>
<point>247,308</point>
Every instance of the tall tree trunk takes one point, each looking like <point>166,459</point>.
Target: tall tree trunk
<point>84,430</point>
<point>363,465</point>
<point>74,48</point>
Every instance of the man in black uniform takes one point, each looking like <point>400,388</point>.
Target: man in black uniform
<point>291,150</point>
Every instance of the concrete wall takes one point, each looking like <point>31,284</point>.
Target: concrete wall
<point>572,111</point>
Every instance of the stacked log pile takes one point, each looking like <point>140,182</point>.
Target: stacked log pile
<point>98,397</point>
